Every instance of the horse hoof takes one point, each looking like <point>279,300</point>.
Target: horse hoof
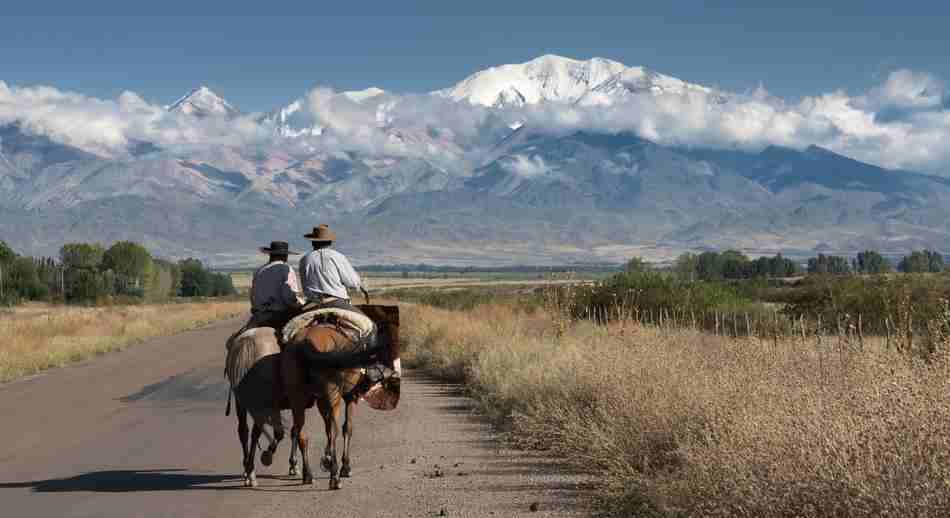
<point>253,482</point>
<point>292,472</point>
<point>326,463</point>
<point>345,472</point>
<point>334,484</point>
<point>267,458</point>
<point>307,481</point>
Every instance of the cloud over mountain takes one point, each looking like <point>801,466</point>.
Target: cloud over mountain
<point>902,123</point>
<point>108,127</point>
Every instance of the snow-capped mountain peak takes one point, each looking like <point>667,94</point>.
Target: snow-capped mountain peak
<point>546,78</point>
<point>552,78</point>
<point>202,102</point>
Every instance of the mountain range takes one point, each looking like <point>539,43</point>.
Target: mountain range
<point>417,190</point>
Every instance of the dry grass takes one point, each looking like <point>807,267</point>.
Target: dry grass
<point>40,337</point>
<point>683,423</point>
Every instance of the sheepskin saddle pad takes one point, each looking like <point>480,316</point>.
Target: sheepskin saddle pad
<point>358,323</point>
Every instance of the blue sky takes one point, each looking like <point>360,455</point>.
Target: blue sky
<point>262,58</point>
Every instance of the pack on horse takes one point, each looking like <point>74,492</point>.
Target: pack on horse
<point>333,356</point>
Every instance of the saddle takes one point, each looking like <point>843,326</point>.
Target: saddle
<point>372,330</point>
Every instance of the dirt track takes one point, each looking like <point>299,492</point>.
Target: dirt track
<point>142,433</point>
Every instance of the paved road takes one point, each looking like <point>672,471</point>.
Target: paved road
<point>142,433</point>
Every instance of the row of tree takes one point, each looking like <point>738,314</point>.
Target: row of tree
<point>871,262</point>
<point>89,273</point>
<point>712,266</point>
<point>731,264</point>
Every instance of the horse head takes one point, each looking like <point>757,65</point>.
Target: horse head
<point>383,379</point>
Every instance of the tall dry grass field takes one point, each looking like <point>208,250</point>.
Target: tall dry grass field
<point>38,337</point>
<point>683,423</point>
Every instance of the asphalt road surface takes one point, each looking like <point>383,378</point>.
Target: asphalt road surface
<point>143,433</point>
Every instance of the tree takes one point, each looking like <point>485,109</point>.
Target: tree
<point>709,266</point>
<point>21,281</point>
<point>636,265</point>
<point>6,253</point>
<point>735,264</point>
<point>222,285</point>
<point>871,262</point>
<point>85,285</point>
<point>80,274</point>
<point>920,261</point>
<point>81,255</point>
<point>833,264</point>
<point>686,266</point>
<point>195,280</point>
<point>132,266</point>
<point>776,266</point>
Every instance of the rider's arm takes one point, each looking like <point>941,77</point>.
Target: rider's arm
<point>348,275</point>
<point>250,292</point>
<point>290,290</point>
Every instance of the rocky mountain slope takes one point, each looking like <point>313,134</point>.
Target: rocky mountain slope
<point>418,189</point>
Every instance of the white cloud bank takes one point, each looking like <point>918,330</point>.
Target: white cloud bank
<point>108,127</point>
<point>902,123</point>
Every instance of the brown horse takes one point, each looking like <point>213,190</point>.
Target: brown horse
<point>319,366</point>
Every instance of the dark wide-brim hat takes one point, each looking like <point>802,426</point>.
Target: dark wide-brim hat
<point>278,248</point>
<point>321,233</point>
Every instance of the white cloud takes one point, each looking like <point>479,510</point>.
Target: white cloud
<point>527,167</point>
<point>107,127</point>
<point>902,123</point>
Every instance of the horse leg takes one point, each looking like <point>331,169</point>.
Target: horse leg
<point>349,410</point>
<point>250,477</point>
<point>329,410</point>
<point>300,419</point>
<point>267,456</point>
<point>241,413</point>
<point>292,472</point>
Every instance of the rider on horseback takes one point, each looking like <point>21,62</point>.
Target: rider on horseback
<point>326,273</point>
<point>275,291</point>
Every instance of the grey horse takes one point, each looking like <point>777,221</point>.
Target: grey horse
<point>252,362</point>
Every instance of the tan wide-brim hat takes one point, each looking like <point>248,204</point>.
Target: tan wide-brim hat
<point>321,233</point>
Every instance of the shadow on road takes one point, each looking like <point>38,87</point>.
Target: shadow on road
<point>124,481</point>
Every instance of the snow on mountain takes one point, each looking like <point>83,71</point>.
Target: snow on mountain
<point>202,102</point>
<point>597,81</point>
<point>295,119</point>
<point>547,78</point>
<point>362,95</point>
<point>639,80</point>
